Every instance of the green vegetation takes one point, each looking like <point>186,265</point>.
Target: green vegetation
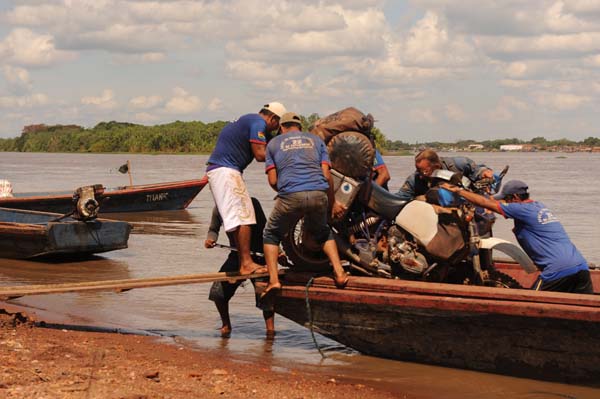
<point>199,137</point>
<point>190,137</point>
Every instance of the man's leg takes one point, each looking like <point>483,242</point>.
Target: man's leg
<point>271,255</point>
<point>223,308</point>
<point>269,317</point>
<point>243,235</point>
<point>340,276</point>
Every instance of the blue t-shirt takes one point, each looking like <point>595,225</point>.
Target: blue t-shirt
<point>378,160</point>
<point>544,239</point>
<point>233,148</point>
<point>297,157</point>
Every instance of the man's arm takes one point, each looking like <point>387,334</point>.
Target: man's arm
<point>383,175</point>
<point>259,151</point>
<point>272,177</point>
<point>478,200</point>
<point>472,170</point>
<point>213,229</point>
<point>407,191</point>
<point>337,209</point>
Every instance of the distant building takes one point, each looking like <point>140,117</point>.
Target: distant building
<point>475,147</point>
<point>511,147</point>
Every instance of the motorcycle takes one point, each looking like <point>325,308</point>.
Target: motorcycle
<point>381,235</point>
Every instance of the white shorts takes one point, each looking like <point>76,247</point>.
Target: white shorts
<point>231,197</point>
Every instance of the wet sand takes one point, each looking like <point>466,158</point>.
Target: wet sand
<point>59,363</point>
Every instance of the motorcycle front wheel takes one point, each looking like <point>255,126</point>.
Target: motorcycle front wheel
<point>495,278</point>
<point>302,250</point>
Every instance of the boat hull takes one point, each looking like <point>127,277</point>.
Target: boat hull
<point>150,197</point>
<point>31,234</point>
<point>550,336</point>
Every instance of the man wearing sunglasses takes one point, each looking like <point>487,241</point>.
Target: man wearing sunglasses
<point>427,161</point>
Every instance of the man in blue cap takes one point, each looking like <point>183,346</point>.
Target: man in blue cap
<point>541,235</point>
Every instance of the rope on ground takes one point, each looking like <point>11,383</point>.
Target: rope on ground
<point>310,319</point>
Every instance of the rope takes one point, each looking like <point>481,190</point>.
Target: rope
<point>310,319</point>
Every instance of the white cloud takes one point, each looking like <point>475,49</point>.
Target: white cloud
<point>29,101</point>
<point>183,103</point>
<point>505,109</point>
<point>144,58</point>
<point>455,113</point>
<point>561,101</point>
<point>429,44</point>
<point>215,104</point>
<point>24,47</point>
<point>422,115</point>
<point>145,102</point>
<point>145,117</point>
<point>17,79</point>
<point>106,101</point>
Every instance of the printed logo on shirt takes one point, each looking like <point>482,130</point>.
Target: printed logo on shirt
<point>261,136</point>
<point>545,216</point>
<point>296,143</point>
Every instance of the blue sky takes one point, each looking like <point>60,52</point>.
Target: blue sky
<point>427,70</point>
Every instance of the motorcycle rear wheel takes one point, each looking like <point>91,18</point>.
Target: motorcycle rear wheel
<point>305,253</point>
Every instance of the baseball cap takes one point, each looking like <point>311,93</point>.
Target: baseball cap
<point>510,188</point>
<point>290,117</point>
<point>275,107</point>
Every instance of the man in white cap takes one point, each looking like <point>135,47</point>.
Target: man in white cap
<point>541,235</point>
<point>237,145</point>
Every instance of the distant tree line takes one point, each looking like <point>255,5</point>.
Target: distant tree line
<point>199,137</point>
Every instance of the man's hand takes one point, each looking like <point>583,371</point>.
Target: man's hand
<point>487,174</point>
<point>450,187</point>
<point>338,209</point>
<point>208,243</point>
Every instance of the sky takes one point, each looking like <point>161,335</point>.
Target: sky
<point>427,70</point>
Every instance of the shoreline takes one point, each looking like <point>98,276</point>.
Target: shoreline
<point>64,363</point>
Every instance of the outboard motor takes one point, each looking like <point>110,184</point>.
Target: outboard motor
<point>86,205</point>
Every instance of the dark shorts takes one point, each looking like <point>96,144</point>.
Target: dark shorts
<point>223,291</point>
<point>578,283</point>
<point>312,205</point>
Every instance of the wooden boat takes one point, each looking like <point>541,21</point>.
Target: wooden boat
<point>30,234</point>
<point>140,198</point>
<point>542,335</point>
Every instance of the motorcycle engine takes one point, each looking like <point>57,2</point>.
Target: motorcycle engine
<point>404,252</point>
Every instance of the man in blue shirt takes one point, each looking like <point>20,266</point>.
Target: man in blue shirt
<point>541,236</point>
<point>237,145</point>
<point>381,174</point>
<point>297,167</point>
<point>427,161</point>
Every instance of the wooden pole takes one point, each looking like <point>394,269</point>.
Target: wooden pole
<point>129,173</point>
<point>123,285</point>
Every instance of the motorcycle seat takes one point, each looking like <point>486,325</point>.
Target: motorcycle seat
<point>384,203</point>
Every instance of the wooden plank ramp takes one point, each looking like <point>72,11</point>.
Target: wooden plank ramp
<point>123,285</point>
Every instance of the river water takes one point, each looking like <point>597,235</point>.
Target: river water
<point>171,243</point>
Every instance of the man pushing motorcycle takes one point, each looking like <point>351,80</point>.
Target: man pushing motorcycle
<point>428,161</point>
<point>540,234</point>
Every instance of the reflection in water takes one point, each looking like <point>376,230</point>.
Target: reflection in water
<point>26,272</point>
<point>178,223</point>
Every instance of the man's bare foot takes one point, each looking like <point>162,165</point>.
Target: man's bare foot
<point>270,334</point>
<point>225,331</point>
<point>271,288</point>
<point>252,268</point>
